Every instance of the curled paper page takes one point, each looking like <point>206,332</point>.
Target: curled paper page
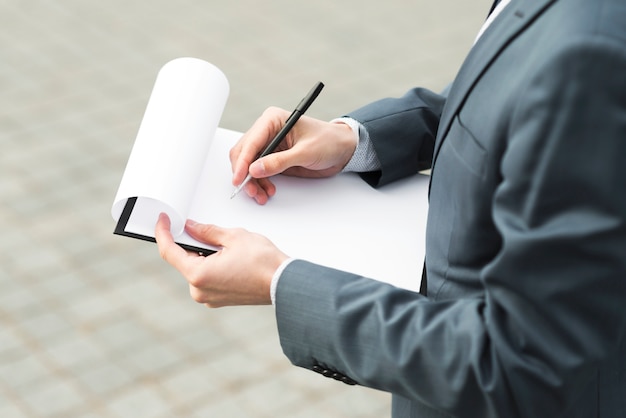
<point>170,149</point>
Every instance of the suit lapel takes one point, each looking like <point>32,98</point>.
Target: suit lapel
<point>513,20</point>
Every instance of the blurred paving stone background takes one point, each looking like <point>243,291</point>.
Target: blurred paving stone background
<point>94,325</point>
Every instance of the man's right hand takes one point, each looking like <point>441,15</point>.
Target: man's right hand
<point>313,148</point>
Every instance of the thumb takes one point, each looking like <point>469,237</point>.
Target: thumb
<point>274,163</point>
<point>210,234</point>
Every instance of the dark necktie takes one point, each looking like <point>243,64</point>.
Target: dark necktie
<point>493,6</point>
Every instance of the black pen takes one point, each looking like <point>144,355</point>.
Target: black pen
<point>291,121</point>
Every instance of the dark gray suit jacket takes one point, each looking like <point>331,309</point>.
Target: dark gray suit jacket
<point>526,241</point>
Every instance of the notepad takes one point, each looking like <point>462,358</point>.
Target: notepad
<point>179,165</point>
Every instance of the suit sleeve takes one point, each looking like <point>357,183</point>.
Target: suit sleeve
<point>403,132</point>
<point>552,311</point>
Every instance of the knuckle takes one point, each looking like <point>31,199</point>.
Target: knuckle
<point>277,160</point>
<point>207,229</point>
<point>237,232</point>
<point>233,153</point>
<point>271,111</point>
<point>195,280</point>
<point>164,253</point>
<point>196,295</point>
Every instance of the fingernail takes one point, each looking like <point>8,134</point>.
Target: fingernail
<point>258,168</point>
<point>191,223</point>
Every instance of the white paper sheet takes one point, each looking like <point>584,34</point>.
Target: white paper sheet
<point>180,165</point>
<point>339,222</point>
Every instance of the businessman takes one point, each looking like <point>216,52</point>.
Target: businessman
<point>522,311</point>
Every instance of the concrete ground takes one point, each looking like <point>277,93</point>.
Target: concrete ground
<point>95,325</point>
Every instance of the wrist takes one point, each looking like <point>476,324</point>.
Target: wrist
<point>348,137</point>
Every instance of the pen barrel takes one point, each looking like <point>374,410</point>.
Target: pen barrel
<point>291,121</point>
<point>293,118</point>
<point>310,97</point>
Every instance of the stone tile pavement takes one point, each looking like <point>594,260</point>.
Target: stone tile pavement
<point>94,325</point>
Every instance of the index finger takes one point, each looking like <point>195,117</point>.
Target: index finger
<point>250,145</point>
<point>246,150</point>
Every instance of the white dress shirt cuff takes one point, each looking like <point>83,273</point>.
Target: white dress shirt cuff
<point>276,277</point>
<point>364,158</point>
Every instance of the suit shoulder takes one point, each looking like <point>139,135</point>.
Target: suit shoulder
<point>604,18</point>
<point>612,20</point>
